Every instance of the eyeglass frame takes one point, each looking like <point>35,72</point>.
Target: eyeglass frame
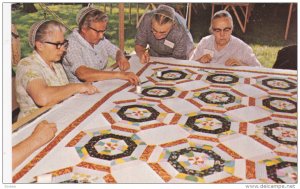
<point>64,44</point>
<point>225,30</point>
<point>161,33</point>
<point>97,31</point>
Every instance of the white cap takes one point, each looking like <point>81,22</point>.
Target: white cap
<point>82,13</point>
<point>166,11</point>
<point>32,32</point>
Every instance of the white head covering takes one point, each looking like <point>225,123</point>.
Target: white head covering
<point>166,11</point>
<point>82,13</point>
<point>32,32</point>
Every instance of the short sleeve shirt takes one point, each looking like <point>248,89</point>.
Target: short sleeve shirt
<point>236,49</point>
<point>34,67</point>
<point>178,43</point>
<point>81,53</point>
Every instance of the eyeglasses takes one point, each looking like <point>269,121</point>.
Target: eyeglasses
<point>97,31</point>
<point>162,33</point>
<point>154,31</point>
<point>219,30</point>
<point>65,44</point>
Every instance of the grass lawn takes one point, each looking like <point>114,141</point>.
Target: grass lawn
<point>265,33</point>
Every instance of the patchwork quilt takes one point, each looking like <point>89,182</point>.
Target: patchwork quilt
<point>187,124</point>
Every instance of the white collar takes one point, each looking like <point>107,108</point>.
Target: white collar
<point>42,61</point>
<point>82,40</point>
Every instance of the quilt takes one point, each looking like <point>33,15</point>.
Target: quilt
<point>186,124</point>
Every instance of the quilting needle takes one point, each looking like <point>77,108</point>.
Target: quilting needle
<point>144,82</point>
<point>114,66</point>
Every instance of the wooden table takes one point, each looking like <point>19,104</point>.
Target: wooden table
<point>190,123</point>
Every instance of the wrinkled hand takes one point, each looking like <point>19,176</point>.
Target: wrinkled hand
<point>43,133</point>
<point>233,62</point>
<point>145,58</point>
<point>87,88</point>
<point>131,77</point>
<point>123,64</point>
<point>205,59</point>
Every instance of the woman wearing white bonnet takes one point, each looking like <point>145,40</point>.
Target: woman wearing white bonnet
<point>166,33</point>
<point>40,80</point>
<point>221,47</point>
<point>89,51</point>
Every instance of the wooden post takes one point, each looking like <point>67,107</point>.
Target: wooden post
<point>15,45</point>
<point>15,58</point>
<point>129,13</point>
<point>212,10</point>
<point>190,15</point>
<point>243,27</point>
<point>121,26</point>
<point>110,8</point>
<point>288,22</point>
<point>104,7</point>
<point>137,14</point>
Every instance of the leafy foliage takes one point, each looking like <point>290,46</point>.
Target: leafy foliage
<point>265,32</point>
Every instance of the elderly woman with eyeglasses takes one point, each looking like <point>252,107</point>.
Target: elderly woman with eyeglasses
<point>40,80</point>
<point>166,33</point>
<point>223,48</point>
<point>89,51</point>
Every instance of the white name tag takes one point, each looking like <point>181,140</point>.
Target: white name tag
<point>210,52</point>
<point>169,44</point>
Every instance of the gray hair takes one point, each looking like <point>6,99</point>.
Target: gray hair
<point>220,14</point>
<point>40,31</point>
<point>85,18</point>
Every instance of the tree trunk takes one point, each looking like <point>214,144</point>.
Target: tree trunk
<point>29,8</point>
